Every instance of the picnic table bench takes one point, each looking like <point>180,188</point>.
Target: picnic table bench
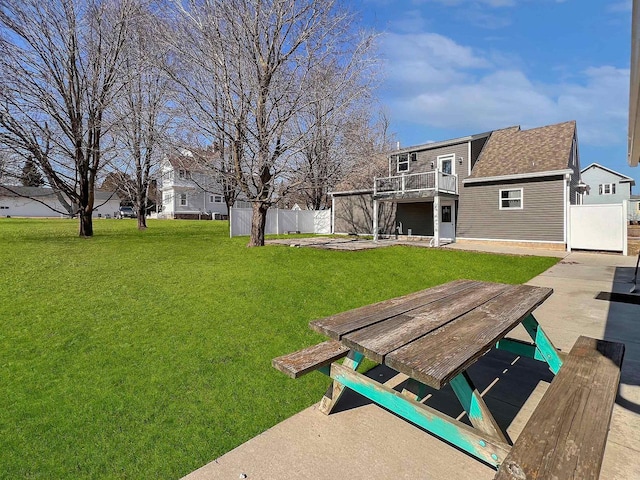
<point>433,336</point>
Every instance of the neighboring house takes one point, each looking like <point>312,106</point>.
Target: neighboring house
<point>16,201</point>
<point>634,208</point>
<point>508,185</point>
<point>605,185</point>
<point>189,189</point>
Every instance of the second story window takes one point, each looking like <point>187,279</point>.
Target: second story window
<point>183,174</point>
<point>607,189</point>
<point>402,161</point>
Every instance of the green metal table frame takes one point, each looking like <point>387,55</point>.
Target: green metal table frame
<point>484,439</point>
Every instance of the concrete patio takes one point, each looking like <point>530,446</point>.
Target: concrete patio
<point>364,441</point>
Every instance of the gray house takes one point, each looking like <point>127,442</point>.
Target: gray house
<point>508,185</point>
<point>605,185</point>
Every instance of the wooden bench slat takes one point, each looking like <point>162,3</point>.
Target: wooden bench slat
<point>306,360</point>
<point>376,341</point>
<point>566,435</point>
<point>336,326</point>
<point>435,359</point>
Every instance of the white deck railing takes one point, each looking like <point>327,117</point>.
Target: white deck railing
<point>436,181</point>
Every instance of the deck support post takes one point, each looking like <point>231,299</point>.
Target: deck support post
<point>436,220</point>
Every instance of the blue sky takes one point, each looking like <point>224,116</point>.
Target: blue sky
<point>459,67</point>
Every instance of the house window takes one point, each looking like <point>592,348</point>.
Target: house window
<point>446,213</point>
<point>607,189</point>
<point>183,174</point>
<point>511,199</point>
<point>402,161</point>
<point>183,199</point>
<point>445,163</point>
<point>215,198</point>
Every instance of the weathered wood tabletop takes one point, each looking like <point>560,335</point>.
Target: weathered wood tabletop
<point>435,334</point>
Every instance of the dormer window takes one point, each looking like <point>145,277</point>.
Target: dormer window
<point>183,174</point>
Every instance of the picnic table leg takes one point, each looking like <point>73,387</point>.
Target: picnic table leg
<point>415,390</point>
<point>476,408</point>
<point>546,349</point>
<point>336,389</point>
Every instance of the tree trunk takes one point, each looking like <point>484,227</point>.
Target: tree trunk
<point>258,221</point>
<point>86,223</point>
<point>142,219</point>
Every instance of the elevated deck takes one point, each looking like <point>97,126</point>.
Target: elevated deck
<point>415,185</point>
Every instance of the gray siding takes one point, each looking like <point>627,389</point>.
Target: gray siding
<point>415,216</point>
<point>596,176</point>
<point>425,157</point>
<point>541,219</point>
<point>354,214</point>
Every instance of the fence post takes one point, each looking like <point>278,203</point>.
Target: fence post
<point>230,222</point>
<point>625,226</point>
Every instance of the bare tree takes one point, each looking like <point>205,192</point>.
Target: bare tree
<point>255,59</point>
<point>60,63</point>
<point>144,116</point>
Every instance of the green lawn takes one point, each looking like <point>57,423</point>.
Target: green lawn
<point>148,354</point>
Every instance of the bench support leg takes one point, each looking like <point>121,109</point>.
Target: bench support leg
<point>476,408</point>
<point>336,389</point>
<point>544,347</point>
<point>415,390</point>
<point>472,440</point>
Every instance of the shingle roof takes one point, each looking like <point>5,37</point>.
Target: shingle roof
<point>194,160</point>
<point>512,151</point>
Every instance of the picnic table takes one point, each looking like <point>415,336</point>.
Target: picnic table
<point>433,336</point>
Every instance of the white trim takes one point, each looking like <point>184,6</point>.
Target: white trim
<point>510,240</point>
<point>566,200</point>
<point>351,192</point>
<point>625,227</point>
<point>518,176</point>
<point>633,135</point>
<point>500,199</point>
<point>469,158</point>
<point>407,161</point>
<point>444,143</point>
<point>612,188</point>
<point>443,158</point>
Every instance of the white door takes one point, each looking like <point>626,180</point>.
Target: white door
<point>447,218</point>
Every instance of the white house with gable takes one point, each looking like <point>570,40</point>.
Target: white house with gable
<point>189,189</point>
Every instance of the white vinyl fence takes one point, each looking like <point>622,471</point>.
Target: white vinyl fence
<point>598,227</point>
<point>281,221</point>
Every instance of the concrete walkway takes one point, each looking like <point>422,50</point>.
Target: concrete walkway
<point>364,441</point>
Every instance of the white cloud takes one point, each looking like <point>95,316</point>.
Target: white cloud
<point>621,6</point>
<point>440,83</point>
